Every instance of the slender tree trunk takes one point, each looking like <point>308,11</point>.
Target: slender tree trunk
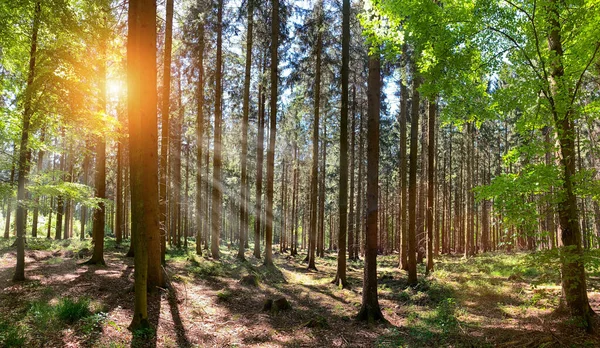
<point>259,165</point>
<point>217,189</point>
<point>119,194</point>
<point>322,188</point>
<point>340,278</point>
<point>430,182</point>
<point>24,150</point>
<point>199,132</point>
<point>165,113</point>
<point>403,186</point>
<point>245,190</point>
<point>9,199</point>
<point>84,181</point>
<point>272,133</point>
<point>352,225</point>
<point>412,182</point>
<point>40,163</point>
<point>370,310</point>
<point>312,239</point>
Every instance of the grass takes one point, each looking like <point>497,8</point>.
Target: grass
<point>462,303</point>
<point>70,311</point>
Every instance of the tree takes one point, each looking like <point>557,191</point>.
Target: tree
<point>259,164</point>
<point>403,187</point>
<point>23,164</point>
<point>165,113</point>
<point>199,133</point>
<point>217,187</point>
<point>430,183</point>
<point>340,277</point>
<point>244,194</point>
<point>100,178</point>
<point>412,182</point>
<point>370,310</point>
<point>143,134</point>
<point>312,243</point>
<point>273,132</point>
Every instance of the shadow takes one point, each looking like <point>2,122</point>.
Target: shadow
<point>180,331</point>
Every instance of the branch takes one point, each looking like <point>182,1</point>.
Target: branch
<point>535,34</point>
<point>529,61</point>
<point>580,80</point>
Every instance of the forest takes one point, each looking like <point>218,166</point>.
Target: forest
<point>282,173</point>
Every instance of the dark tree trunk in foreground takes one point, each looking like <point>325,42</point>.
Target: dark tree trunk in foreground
<point>24,150</point>
<point>412,184</point>
<point>340,277</point>
<point>573,272</point>
<point>141,49</point>
<point>217,188</point>
<point>370,310</point>
<point>244,194</point>
<point>272,134</point>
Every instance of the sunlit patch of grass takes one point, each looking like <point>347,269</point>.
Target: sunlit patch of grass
<point>70,311</point>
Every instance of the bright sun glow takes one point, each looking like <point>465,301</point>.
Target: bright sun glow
<point>113,88</point>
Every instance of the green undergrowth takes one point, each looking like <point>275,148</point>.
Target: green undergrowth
<point>48,317</point>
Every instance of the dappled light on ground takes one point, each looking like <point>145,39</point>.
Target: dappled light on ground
<point>491,300</point>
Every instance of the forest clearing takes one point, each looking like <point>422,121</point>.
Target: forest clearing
<point>493,300</point>
<point>287,173</point>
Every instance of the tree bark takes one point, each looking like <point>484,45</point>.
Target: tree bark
<point>370,310</point>
<point>272,134</point>
<point>244,194</point>
<point>412,181</point>
<point>217,189</point>
<point>340,278</point>
<point>23,168</point>
<point>312,238</point>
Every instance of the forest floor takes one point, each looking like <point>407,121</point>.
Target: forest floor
<point>500,300</point>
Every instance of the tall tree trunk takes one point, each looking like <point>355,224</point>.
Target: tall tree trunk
<point>340,278</point>
<point>322,188</point>
<point>260,141</point>
<point>272,133</point>
<point>40,163</point>
<point>352,225</point>
<point>573,271</point>
<point>84,181</point>
<point>9,202</point>
<point>24,150</point>
<point>100,177</point>
<point>119,194</point>
<point>370,310</point>
<point>293,223</point>
<point>217,189</point>
<point>412,181</point>
<point>312,239</point>
<point>359,200</point>
<point>165,113</point>
<point>430,182</point>
<point>199,132</point>
<point>403,186</point>
<point>245,190</point>
<point>176,142</point>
